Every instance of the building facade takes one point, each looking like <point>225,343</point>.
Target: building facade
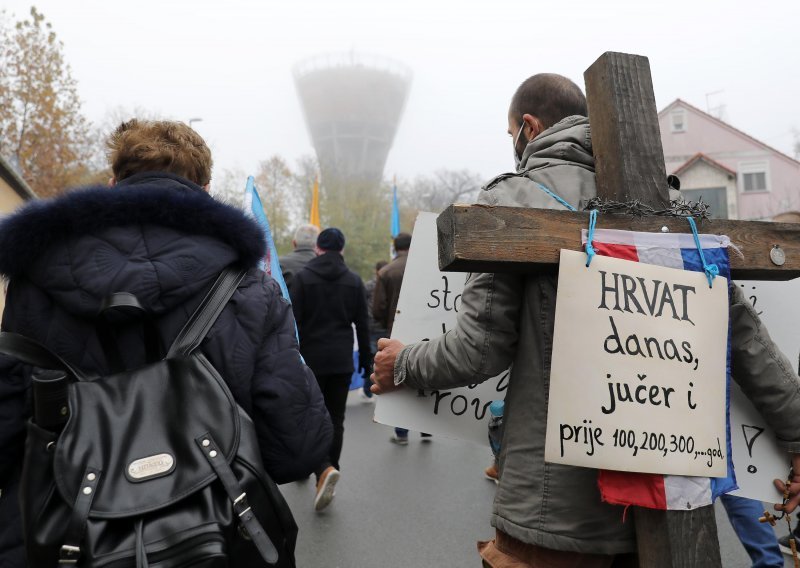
<point>13,193</point>
<point>738,176</point>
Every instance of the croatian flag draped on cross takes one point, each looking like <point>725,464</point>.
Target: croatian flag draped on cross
<point>667,492</point>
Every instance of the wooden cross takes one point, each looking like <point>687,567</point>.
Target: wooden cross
<point>629,165</point>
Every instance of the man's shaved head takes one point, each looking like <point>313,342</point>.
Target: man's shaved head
<point>548,97</point>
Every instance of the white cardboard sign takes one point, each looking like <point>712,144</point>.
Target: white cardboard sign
<point>638,375</point>
<point>757,459</point>
<point>427,307</point>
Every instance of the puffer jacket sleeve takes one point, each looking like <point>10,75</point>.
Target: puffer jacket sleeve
<point>293,425</point>
<point>765,375</point>
<point>14,412</point>
<point>14,406</point>
<point>481,345</point>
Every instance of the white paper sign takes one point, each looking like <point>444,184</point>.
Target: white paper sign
<point>428,305</point>
<point>638,375</point>
<point>757,459</point>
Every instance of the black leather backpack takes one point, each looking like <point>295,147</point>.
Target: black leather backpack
<point>154,466</point>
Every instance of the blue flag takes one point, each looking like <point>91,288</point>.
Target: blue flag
<point>254,208</point>
<point>395,212</point>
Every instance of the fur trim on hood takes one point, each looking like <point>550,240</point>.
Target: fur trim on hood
<point>153,198</point>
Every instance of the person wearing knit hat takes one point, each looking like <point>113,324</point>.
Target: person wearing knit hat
<point>327,299</point>
<point>331,239</point>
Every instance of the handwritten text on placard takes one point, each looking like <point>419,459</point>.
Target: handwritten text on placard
<point>638,373</point>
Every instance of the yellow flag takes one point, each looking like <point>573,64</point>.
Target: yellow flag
<point>314,217</point>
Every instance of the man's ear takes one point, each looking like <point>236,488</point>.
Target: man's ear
<point>112,181</point>
<point>207,187</point>
<point>534,125</point>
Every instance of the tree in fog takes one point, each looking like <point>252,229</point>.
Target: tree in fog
<point>276,188</point>
<point>284,192</point>
<point>228,186</point>
<point>361,209</point>
<point>435,192</point>
<point>42,128</point>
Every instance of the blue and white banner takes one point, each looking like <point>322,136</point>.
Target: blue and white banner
<point>254,208</point>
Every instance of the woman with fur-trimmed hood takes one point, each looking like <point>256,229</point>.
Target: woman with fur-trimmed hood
<point>156,233</point>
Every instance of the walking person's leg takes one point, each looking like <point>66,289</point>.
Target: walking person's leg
<point>758,539</point>
<point>334,390</point>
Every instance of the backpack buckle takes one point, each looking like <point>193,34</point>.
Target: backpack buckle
<point>240,505</point>
<point>69,554</point>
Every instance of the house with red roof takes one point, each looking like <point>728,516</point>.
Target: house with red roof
<point>738,176</point>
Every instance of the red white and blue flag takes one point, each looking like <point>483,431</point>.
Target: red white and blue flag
<point>674,250</point>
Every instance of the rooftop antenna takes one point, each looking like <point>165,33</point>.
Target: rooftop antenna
<point>717,111</point>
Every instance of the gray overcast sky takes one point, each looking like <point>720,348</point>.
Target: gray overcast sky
<point>231,64</point>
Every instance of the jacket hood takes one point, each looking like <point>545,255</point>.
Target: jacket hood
<point>155,235</point>
<point>567,143</point>
<point>329,266</point>
<point>569,139</point>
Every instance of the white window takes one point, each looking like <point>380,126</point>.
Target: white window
<point>754,176</point>
<point>678,120</point>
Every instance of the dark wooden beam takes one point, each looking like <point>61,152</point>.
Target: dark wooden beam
<point>477,238</point>
<point>629,159</point>
<point>678,539</point>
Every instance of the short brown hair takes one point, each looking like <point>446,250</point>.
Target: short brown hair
<point>549,97</point>
<point>159,146</point>
<point>402,242</point>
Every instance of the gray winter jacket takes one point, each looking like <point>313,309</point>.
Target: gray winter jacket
<point>294,262</point>
<point>507,321</point>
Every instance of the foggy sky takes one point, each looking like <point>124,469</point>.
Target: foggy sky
<point>230,63</point>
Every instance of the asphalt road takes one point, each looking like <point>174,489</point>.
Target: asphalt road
<point>419,506</point>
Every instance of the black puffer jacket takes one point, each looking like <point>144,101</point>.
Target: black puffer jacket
<point>328,299</point>
<point>163,239</point>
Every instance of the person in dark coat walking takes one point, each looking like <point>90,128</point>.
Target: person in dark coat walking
<point>159,235</point>
<point>327,299</point>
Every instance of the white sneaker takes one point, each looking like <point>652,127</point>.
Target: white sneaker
<point>399,440</point>
<point>326,488</point>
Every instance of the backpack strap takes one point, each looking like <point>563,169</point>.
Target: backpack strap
<point>238,498</point>
<point>195,330</point>
<point>34,353</point>
<point>76,526</point>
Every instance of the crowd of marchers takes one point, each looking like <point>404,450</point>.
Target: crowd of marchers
<point>106,284</point>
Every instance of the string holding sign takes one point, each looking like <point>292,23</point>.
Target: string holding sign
<point>589,248</point>
<point>711,270</point>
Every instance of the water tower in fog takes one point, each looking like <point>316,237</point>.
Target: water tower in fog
<point>352,105</point>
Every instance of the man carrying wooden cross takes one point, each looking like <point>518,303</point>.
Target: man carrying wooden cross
<point>549,514</point>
